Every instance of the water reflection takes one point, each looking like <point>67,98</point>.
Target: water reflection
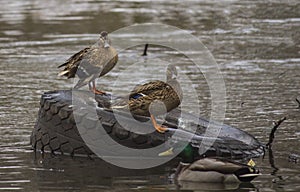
<point>256,44</point>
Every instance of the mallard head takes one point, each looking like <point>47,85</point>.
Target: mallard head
<point>104,40</point>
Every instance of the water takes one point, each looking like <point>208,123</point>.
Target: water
<point>255,43</point>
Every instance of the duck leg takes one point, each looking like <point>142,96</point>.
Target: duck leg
<point>94,90</point>
<point>158,128</point>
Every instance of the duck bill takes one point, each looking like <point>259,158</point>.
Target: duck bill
<point>106,43</point>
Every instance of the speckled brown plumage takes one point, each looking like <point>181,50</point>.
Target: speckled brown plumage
<point>140,99</point>
<point>91,62</point>
<point>155,90</point>
<point>72,63</point>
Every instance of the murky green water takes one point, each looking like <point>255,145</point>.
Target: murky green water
<point>256,44</point>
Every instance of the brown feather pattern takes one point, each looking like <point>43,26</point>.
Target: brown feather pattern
<point>142,96</point>
<point>71,65</point>
<point>91,62</point>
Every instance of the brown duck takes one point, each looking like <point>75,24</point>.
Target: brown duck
<point>91,62</point>
<point>141,98</point>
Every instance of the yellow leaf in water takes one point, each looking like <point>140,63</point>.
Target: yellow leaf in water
<point>251,163</point>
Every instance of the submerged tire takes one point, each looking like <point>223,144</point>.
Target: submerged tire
<point>56,130</point>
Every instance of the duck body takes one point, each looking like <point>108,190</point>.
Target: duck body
<point>154,98</point>
<point>212,170</point>
<point>91,62</point>
<point>142,96</point>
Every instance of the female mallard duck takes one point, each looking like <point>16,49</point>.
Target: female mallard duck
<point>213,170</point>
<point>91,62</point>
<point>143,98</point>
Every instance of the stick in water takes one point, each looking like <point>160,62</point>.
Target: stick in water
<point>298,103</point>
<point>272,134</point>
<point>145,50</point>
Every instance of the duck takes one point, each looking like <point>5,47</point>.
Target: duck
<point>90,63</point>
<point>154,98</point>
<point>216,170</point>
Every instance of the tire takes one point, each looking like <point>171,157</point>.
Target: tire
<point>55,130</point>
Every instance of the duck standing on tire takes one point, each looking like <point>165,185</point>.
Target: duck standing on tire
<point>91,62</point>
<point>154,98</point>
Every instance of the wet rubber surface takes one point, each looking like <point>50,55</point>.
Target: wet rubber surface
<point>56,131</point>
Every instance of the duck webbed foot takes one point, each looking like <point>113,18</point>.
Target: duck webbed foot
<point>98,92</point>
<point>94,90</point>
<point>159,128</point>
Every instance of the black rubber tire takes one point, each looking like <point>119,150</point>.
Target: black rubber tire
<point>56,131</point>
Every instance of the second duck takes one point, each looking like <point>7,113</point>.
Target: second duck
<point>140,100</point>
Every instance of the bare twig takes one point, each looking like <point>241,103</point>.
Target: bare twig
<point>242,104</point>
<point>272,134</point>
<point>145,50</point>
<point>272,162</point>
<point>298,103</point>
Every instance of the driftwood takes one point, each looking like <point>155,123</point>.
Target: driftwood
<point>145,50</point>
<point>269,146</point>
<point>298,103</point>
<point>272,134</point>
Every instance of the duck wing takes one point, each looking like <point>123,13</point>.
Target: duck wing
<point>71,65</point>
<point>141,96</point>
<point>147,89</point>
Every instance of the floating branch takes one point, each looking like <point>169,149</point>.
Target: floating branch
<point>272,162</point>
<point>145,50</point>
<point>298,103</point>
<point>272,134</point>
<point>242,104</point>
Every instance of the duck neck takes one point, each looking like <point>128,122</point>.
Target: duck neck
<point>176,86</point>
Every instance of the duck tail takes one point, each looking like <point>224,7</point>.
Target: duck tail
<point>63,73</point>
<point>119,106</point>
<point>248,177</point>
<point>247,174</point>
<point>64,64</point>
<point>121,103</point>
